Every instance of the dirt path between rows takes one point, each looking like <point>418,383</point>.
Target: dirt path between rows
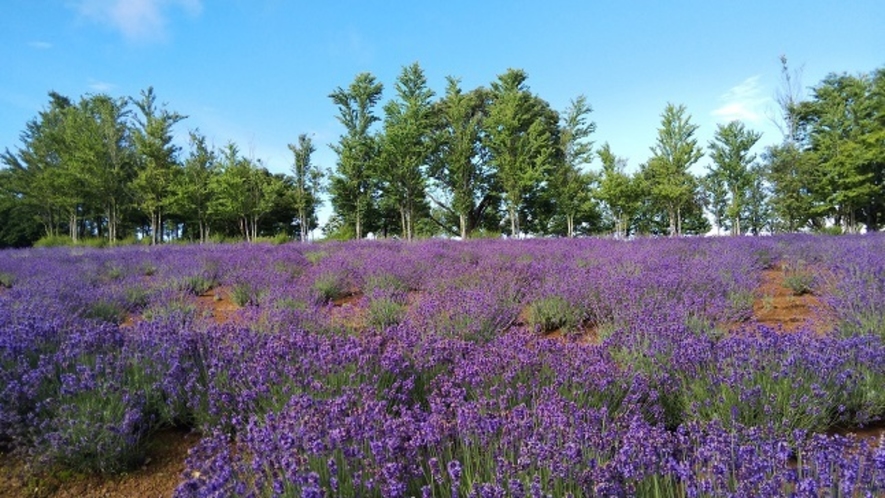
<point>776,306</point>
<point>157,478</point>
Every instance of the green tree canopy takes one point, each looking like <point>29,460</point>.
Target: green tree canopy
<point>732,168</point>
<point>353,186</point>
<point>672,186</point>
<point>522,135</point>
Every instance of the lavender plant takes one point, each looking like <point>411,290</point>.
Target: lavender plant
<point>445,391</point>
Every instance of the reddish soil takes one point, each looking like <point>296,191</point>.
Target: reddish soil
<point>130,321</point>
<point>352,299</point>
<point>214,302</point>
<point>158,477</point>
<point>217,302</point>
<point>777,307</point>
<point>588,333</point>
<point>872,433</point>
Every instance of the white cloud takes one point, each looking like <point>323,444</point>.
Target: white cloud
<point>744,102</point>
<point>40,45</point>
<point>101,86</point>
<point>137,20</point>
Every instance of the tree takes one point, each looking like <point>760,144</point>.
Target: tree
<point>732,163</point>
<point>459,165</point>
<point>110,166</point>
<point>791,174</point>
<point>875,143</point>
<point>787,168</point>
<point>716,199</point>
<point>35,169</point>
<point>788,97</point>
<point>307,184</point>
<point>671,184</point>
<point>406,145</point>
<point>836,121</point>
<point>76,164</point>
<point>571,183</point>
<point>352,187</point>
<point>195,188</point>
<point>17,222</point>
<point>152,186</point>
<point>617,190</point>
<point>758,211</point>
<point>246,192</point>
<point>521,133</point>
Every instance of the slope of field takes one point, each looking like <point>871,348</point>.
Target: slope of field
<point>409,369</point>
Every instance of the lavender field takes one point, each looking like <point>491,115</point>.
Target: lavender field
<point>444,369</point>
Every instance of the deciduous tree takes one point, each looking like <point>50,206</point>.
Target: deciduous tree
<point>353,185</point>
<point>671,184</point>
<point>521,133</point>
<point>617,190</point>
<point>307,184</point>
<point>732,166</point>
<point>195,188</point>
<point>406,145</point>
<point>158,156</point>
<point>571,183</point>
<point>459,165</point>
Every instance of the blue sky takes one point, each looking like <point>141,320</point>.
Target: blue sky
<point>258,72</point>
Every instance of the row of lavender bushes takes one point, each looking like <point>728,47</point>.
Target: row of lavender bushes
<point>432,380</point>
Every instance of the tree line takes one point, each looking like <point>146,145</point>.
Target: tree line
<point>489,160</point>
<point>109,168</point>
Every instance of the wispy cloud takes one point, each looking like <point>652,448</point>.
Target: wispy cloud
<point>40,45</point>
<point>101,86</point>
<point>137,20</point>
<point>744,102</point>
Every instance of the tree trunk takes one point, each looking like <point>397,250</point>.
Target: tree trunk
<point>110,216</point>
<point>679,221</point>
<point>302,219</point>
<point>359,227</point>
<point>671,214</point>
<point>402,220</point>
<point>462,219</point>
<point>72,229</point>
<point>514,222</point>
<point>410,217</point>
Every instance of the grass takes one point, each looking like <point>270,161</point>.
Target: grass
<point>243,294</point>
<point>799,278</point>
<point>553,313</point>
<point>385,312</point>
<point>329,287</point>
<point>7,280</point>
<point>195,284</point>
<point>106,312</point>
